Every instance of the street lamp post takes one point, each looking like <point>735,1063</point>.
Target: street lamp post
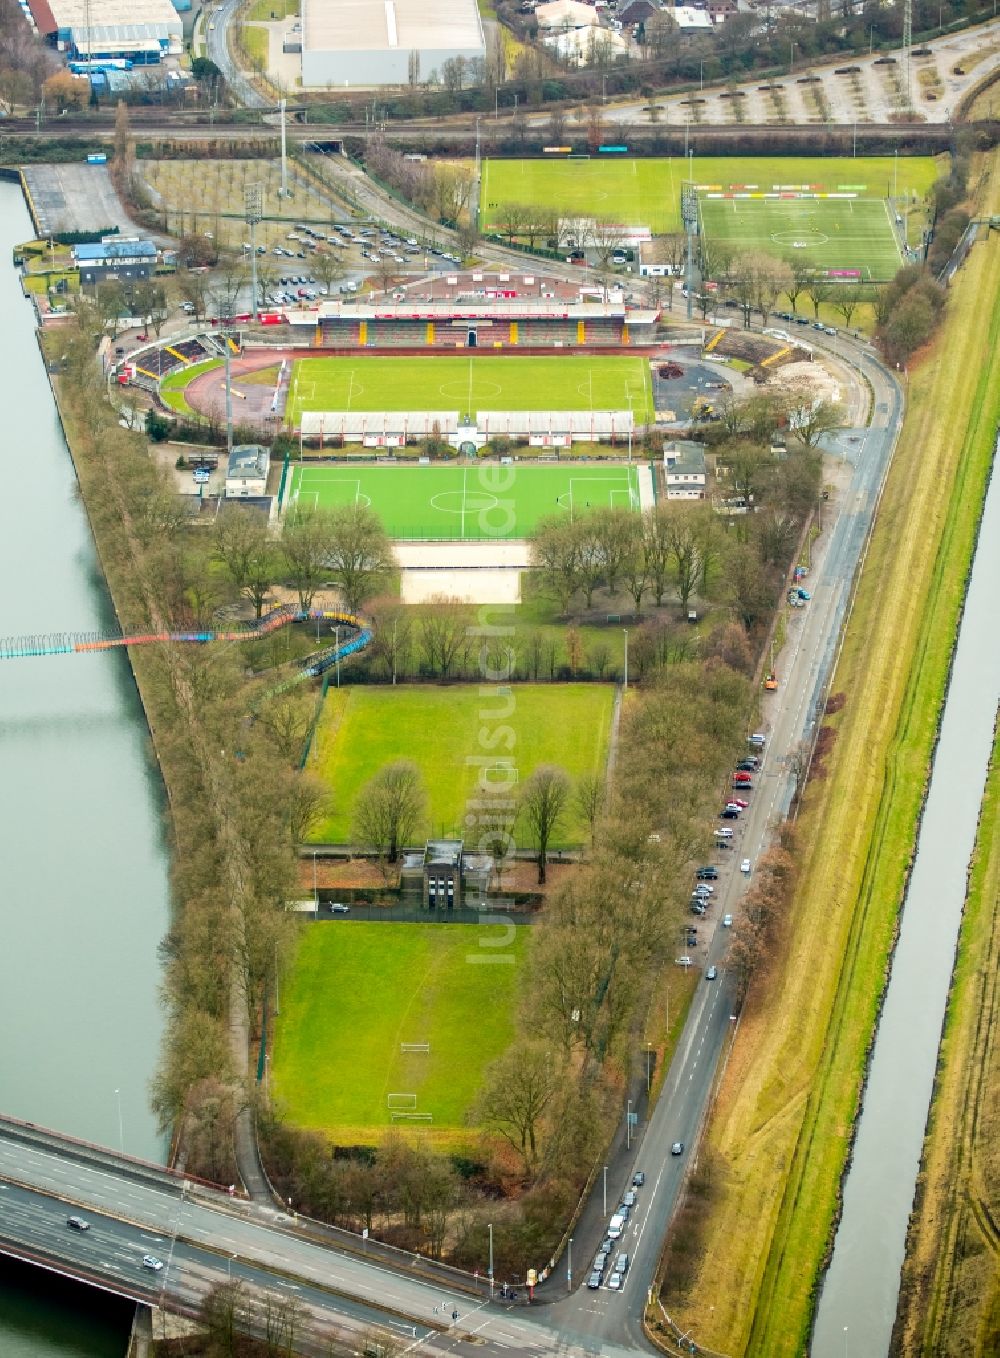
<point>625,669</point>
<point>336,643</point>
<point>605,1190</point>
<point>649,1053</point>
<point>569,1266</point>
<point>628,1126</point>
<point>701,76</point>
<point>315,888</point>
<point>121,1125</point>
<point>490,1228</point>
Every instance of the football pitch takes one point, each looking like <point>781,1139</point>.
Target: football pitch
<point>390,1025</point>
<point>647,193</point>
<point>470,504</point>
<point>467,384</point>
<point>843,234</point>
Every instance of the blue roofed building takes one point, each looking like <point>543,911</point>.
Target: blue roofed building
<point>115,258</point>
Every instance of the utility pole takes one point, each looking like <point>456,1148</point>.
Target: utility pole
<point>907,51</point>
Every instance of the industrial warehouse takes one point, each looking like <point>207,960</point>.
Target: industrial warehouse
<point>141,31</point>
<point>385,42</point>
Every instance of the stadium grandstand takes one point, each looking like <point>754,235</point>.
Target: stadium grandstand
<point>477,310</point>
<point>395,428</point>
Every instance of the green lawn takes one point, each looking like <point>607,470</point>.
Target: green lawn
<point>477,503</point>
<point>647,192</point>
<point>569,382</point>
<point>824,233</point>
<point>357,991</point>
<point>172,386</point>
<point>444,730</point>
<point>264,11</point>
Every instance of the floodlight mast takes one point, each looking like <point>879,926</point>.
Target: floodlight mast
<point>253,210</point>
<point>689,219</point>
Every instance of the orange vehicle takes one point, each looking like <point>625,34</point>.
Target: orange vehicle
<point>770,681</point>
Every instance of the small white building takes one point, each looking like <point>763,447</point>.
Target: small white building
<point>246,472</point>
<point>684,470</point>
<point>691,20</point>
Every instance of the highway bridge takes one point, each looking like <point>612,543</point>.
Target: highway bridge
<point>202,1238</point>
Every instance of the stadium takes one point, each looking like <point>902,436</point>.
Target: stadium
<point>468,360</point>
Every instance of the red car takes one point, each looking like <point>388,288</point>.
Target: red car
<point>738,801</point>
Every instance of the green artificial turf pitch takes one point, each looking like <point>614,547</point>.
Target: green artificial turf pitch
<point>358,991</point>
<point>441,729</point>
<point>467,504</point>
<point>843,234</point>
<point>467,384</point>
<point>648,192</point>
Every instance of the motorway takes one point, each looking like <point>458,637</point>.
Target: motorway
<point>204,1238</point>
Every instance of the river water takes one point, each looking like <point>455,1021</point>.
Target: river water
<point>84,902</point>
<point>858,1302</point>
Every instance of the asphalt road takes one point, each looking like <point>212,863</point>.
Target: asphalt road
<point>216,25</point>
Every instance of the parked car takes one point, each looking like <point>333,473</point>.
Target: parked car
<point>730,813</point>
<point>703,889</point>
<point>750,765</point>
<point>707,874</point>
<point>745,866</point>
<point>677,1148</point>
<point>629,1200</point>
<point>740,802</point>
<point>601,1260</point>
<point>594,1281</point>
<point>727,921</point>
<point>339,908</point>
<point>638,1178</point>
<point>615,1282</point>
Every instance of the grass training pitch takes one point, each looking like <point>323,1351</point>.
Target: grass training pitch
<point>821,233</point>
<point>439,729</point>
<point>358,991</point>
<point>467,384</point>
<point>451,503</point>
<point>648,192</point>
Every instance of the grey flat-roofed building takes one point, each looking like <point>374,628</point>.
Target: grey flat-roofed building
<point>246,472</point>
<point>684,471</point>
<point>347,43</point>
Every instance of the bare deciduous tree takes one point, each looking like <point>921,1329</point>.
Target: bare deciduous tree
<point>516,1092</point>
<point>541,806</point>
<point>390,809</point>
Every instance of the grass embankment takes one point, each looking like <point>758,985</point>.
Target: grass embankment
<point>358,991</point>
<point>363,729</point>
<point>783,1120</point>
<point>950,1295</point>
<point>172,386</point>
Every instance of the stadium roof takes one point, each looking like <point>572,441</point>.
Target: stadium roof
<point>519,310</point>
<point>366,25</point>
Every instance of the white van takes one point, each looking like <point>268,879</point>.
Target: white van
<point>616,1225</point>
<point>725,833</point>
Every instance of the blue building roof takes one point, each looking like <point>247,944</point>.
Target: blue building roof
<point>110,251</point>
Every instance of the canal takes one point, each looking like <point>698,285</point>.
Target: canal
<point>85,898</point>
<point>858,1302</point>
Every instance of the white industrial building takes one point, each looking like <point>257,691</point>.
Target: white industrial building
<point>349,43</point>
<point>138,30</point>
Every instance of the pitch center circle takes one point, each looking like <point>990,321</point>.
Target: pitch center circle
<point>464,501</point>
<point>462,391</point>
<point>806,236</point>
